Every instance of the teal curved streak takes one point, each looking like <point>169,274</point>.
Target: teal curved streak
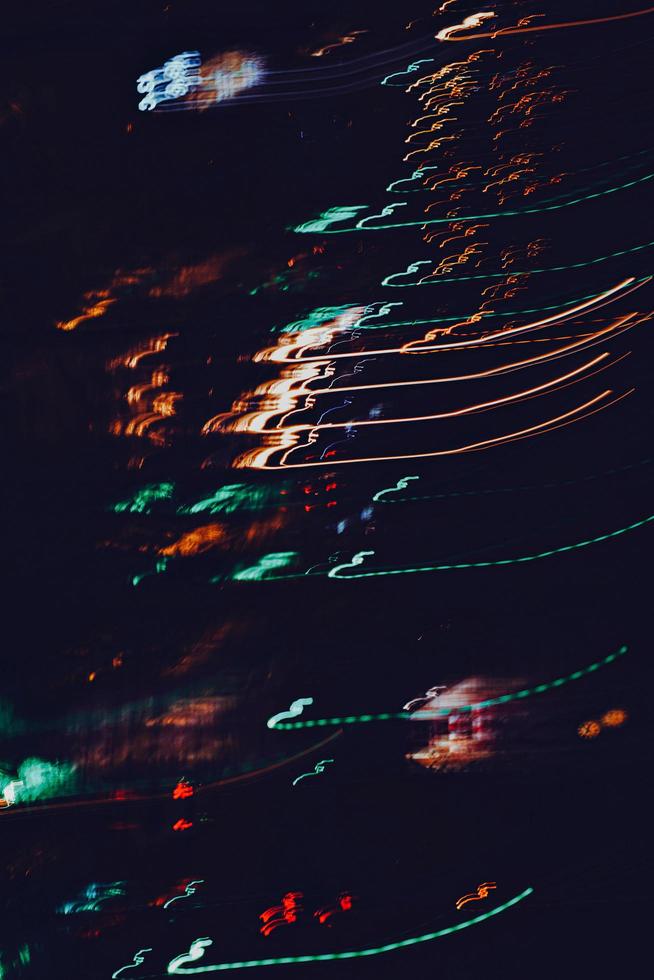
<point>444,712</point>
<point>490,313</point>
<point>402,485</point>
<point>312,225</point>
<point>358,558</point>
<point>350,954</point>
<point>522,272</point>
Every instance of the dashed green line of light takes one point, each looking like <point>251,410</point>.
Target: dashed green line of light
<point>444,712</point>
<point>490,314</point>
<point>522,272</point>
<point>380,499</point>
<point>350,954</point>
<point>487,564</point>
<point>300,229</point>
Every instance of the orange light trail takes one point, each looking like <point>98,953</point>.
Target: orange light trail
<point>278,354</point>
<point>554,384</point>
<point>540,27</point>
<point>257,459</point>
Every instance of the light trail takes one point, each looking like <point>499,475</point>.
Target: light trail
<point>197,948</point>
<point>555,384</point>
<point>281,354</point>
<point>588,340</point>
<point>474,20</point>
<point>258,459</point>
<point>320,226</point>
<point>402,484</point>
<point>542,27</point>
<point>431,714</point>
<point>434,280</point>
<point>360,557</point>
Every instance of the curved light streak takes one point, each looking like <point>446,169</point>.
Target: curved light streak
<point>296,708</point>
<point>188,891</point>
<point>587,341</point>
<point>433,280</point>
<point>258,459</point>
<point>431,714</point>
<point>402,484</point>
<point>379,496</point>
<point>555,384</point>
<point>474,20</point>
<point>544,27</point>
<point>333,573</point>
<point>281,355</point>
<point>317,226</point>
<point>197,948</point>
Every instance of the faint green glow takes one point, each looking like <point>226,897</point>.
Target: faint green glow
<point>38,779</point>
<point>433,280</point>
<point>92,898</point>
<point>230,498</point>
<point>401,485</point>
<point>265,565</point>
<point>361,555</point>
<point>444,712</point>
<point>319,317</point>
<point>159,568</point>
<point>197,948</point>
<point>142,500</point>
<point>321,225</point>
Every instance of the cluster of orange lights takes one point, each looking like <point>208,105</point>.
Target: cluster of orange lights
<point>611,719</point>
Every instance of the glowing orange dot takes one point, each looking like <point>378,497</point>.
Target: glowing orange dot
<point>92,676</point>
<point>615,717</point>
<point>589,729</point>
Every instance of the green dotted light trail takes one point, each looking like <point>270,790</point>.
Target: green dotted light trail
<point>175,966</point>
<point>402,484</point>
<point>361,555</point>
<point>444,712</point>
<point>320,225</point>
<point>486,315</point>
<point>508,272</point>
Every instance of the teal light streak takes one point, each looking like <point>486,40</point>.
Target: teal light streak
<point>318,768</point>
<point>321,226</point>
<point>401,485</point>
<point>189,890</point>
<point>143,498</point>
<point>317,318</point>
<point>296,708</point>
<point>414,66</point>
<point>407,180</point>
<point>331,216</point>
<point>137,961</point>
<point>527,486</point>
<point>361,555</point>
<point>444,712</point>
<point>500,275</point>
<point>265,565</point>
<point>506,313</point>
<point>230,498</point>
<point>159,568</point>
<point>175,965</point>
